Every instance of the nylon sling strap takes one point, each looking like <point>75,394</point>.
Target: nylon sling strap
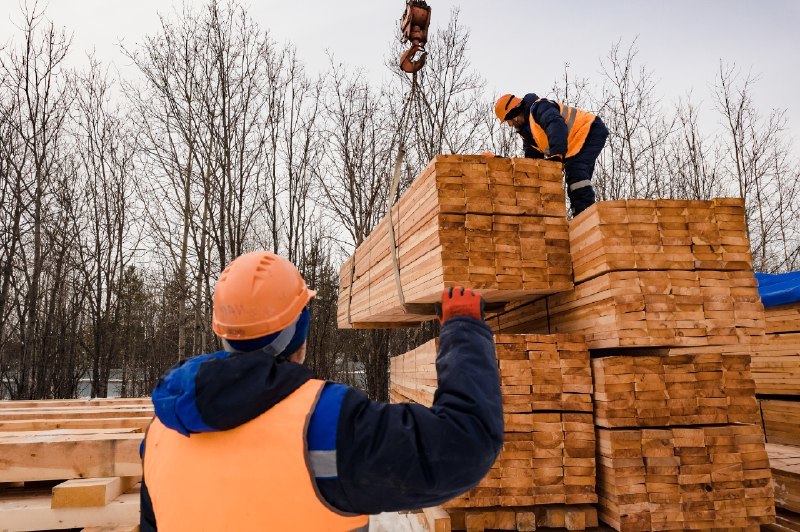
<point>394,185</point>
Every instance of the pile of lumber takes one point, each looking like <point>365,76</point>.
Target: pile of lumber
<point>651,388</point>
<point>549,451</point>
<point>488,223</point>
<point>71,464</point>
<point>684,478</point>
<point>649,309</point>
<point>655,273</point>
<point>538,373</point>
<point>661,234</point>
<point>781,420</point>
<point>785,463</point>
<point>783,318</point>
<point>776,360</point>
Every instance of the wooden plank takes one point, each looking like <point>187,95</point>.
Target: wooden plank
<point>437,518</point>
<point>48,456</point>
<point>138,423</point>
<point>783,318</point>
<point>23,512</point>
<point>112,528</point>
<point>781,421</point>
<point>87,492</point>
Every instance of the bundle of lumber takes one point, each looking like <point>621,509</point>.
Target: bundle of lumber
<point>537,373</point>
<point>487,223</point>
<point>781,421</point>
<point>576,517</point>
<point>648,388</point>
<point>661,234</point>
<point>684,478</point>
<point>783,318</point>
<point>548,456</point>
<point>776,364</point>
<point>785,463</point>
<point>71,464</point>
<point>649,309</point>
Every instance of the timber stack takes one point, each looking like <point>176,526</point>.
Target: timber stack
<point>776,369</point>
<point>71,464</point>
<point>667,301</point>
<point>493,224</point>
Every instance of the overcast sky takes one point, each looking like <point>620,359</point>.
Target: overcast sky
<point>516,45</point>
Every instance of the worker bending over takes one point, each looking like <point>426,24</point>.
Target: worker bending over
<point>247,439</point>
<point>559,132</point>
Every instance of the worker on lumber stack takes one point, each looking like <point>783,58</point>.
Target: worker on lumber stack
<point>247,439</point>
<point>558,132</point>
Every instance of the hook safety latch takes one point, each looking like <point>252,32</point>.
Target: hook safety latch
<point>414,25</point>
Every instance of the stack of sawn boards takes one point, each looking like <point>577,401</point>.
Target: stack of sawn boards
<point>71,464</point>
<point>489,223</point>
<point>667,300</point>
<point>549,451</point>
<point>776,370</point>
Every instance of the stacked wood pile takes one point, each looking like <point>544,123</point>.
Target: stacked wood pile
<point>785,463</point>
<point>654,273</point>
<point>667,300</point>
<point>776,361</point>
<point>670,387</point>
<point>71,464</point>
<point>549,451</point>
<point>684,478</point>
<point>781,421</point>
<point>488,223</point>
<point>641,235</point>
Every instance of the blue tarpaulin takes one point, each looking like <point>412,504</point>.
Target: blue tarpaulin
<point>779,288</point>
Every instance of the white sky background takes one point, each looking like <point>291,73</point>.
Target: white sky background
<point>518,46</point>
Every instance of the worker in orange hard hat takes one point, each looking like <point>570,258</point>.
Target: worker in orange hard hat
<point>559,132</point>
<point>247,439</point>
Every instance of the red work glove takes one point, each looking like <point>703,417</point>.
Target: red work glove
<point>459,301</point>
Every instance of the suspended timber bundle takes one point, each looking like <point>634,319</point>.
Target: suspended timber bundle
<point>656,388</point>
<point>549,451</point>
<point>684,478</point>
<point>492,224</point>
<point>660,234</point>
<point>71,464</point>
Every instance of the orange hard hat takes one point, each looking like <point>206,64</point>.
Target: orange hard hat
<point>486,154</point>
<point>259,293</point>
<point>504,104</point>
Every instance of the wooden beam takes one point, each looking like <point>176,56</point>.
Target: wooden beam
<point>26,512</point>
<point>138,423</point>
<point>87,492</point>
<point>48,456</point>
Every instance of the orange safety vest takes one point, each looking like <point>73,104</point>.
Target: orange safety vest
<point>255,477</point>
<point>578,124</point>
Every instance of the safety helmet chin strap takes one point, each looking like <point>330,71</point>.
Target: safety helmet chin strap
<point>275,348</point>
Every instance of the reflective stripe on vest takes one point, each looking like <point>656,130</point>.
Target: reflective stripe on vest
<point>578,124</point>
<point>254,477</point>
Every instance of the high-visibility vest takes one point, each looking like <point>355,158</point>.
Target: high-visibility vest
<point>578,124</point>
<point>255,477</point>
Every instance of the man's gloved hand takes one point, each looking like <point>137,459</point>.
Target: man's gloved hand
<point>554,157</point>
<point>459,301</point>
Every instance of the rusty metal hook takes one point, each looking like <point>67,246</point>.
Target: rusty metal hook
<point>413,59</point>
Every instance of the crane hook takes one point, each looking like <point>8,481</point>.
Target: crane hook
<point>414,25</point>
